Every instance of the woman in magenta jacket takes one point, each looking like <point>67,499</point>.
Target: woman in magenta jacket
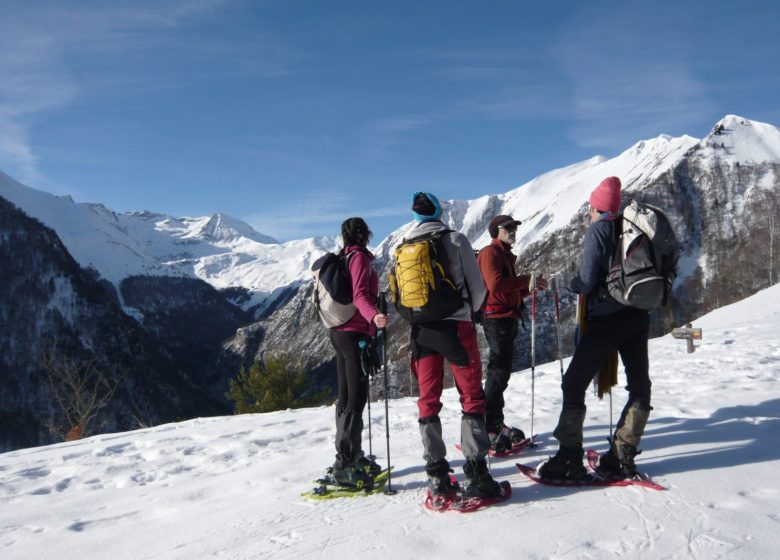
<point>351,466</point>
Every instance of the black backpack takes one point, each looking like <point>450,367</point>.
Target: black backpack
<point>645,262</point>
<point>332,294</point>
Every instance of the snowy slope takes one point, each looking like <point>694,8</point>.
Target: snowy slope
<point>230,487</point>
<point>218,249</point>
<point>746,141</point>
<point>548,203</point>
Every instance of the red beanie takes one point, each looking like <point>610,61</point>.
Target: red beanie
<point>606,197</point>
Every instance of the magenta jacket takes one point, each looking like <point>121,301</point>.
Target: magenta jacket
<point>365,289</point>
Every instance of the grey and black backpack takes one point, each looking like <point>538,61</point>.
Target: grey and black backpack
<point>332,294</point>
<point>645,262</point>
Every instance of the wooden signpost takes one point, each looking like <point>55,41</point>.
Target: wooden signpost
<point>689,334</point>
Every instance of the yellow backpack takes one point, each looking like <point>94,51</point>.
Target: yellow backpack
<point>421,285</point>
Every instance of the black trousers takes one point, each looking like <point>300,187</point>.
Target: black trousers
<point>500,335</point>
<point>625,331</point>
<point>352,395</point>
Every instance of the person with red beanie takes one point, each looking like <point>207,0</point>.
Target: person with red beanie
<point>609,327</point>
<point>502,309</point>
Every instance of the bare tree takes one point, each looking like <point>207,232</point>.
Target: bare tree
<point>81,390</point>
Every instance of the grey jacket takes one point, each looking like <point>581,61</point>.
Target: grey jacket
<point>463,267</point>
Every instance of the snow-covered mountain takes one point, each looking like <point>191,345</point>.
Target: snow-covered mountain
<point>547,203</point>
<point>228,253</point>
<point>230,487</point>
<point>216,295</point>
<point>222,251</point>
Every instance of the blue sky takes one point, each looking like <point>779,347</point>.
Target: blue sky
<point>294,115</point>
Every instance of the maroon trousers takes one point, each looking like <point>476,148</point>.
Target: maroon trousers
<point>455,341</point>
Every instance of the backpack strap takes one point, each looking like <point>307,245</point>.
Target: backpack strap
<point>433,234</point>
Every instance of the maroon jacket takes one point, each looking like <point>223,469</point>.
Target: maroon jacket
<point>365,289</point>
<point>505,289</point>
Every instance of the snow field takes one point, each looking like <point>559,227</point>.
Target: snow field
<point>230,487</point>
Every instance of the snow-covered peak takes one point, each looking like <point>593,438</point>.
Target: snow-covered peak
<point>223,251</point>
<point>548,202</point>
<point>742,140</point>
<point>221,227</point>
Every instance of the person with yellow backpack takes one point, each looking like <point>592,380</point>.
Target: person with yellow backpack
<point>436,285</point>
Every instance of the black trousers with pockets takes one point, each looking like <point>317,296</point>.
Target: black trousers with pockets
<point>625,331</point>
<point>500,335</point>
<point>352,394</point>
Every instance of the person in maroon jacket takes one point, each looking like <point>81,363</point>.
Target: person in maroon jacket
<point>352,466</point>
<point>502,309</point>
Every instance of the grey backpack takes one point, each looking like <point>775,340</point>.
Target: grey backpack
<point>645,262</point>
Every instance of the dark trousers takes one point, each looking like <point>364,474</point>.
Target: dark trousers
<point>500,335</point>
<point>625,331</point>
<point>352,394</point>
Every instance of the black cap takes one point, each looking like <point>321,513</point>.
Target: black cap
<point>501,220</point>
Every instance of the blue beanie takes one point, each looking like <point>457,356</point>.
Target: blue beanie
<point>426,207</point>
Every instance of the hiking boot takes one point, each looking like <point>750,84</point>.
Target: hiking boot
<point>500,442</point>
<point>564,465</point>
<point>349,474</point>
<point>516,435</point>
<point>480,484</point>
<point>609,465</point>
<point>439,481</point>
<point>368,466</point>
<point>621,459</point>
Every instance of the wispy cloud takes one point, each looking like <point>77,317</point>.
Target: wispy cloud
<point>630,80</point>
<point>615,109</point>
<point>381,137</point>
<point>32,82</point>
<point>306,218</point>
<point>45,46</point>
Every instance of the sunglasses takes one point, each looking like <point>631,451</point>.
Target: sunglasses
<point>510,229</point>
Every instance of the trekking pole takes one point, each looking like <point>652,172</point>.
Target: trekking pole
<point>610,414</point>
<point>554,286</point>
<point>366,365</point>
<point>383,309</point>
<point>532,287</point>
<point>368,402</point>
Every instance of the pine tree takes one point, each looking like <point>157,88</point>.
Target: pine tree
<point>277,384</point>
